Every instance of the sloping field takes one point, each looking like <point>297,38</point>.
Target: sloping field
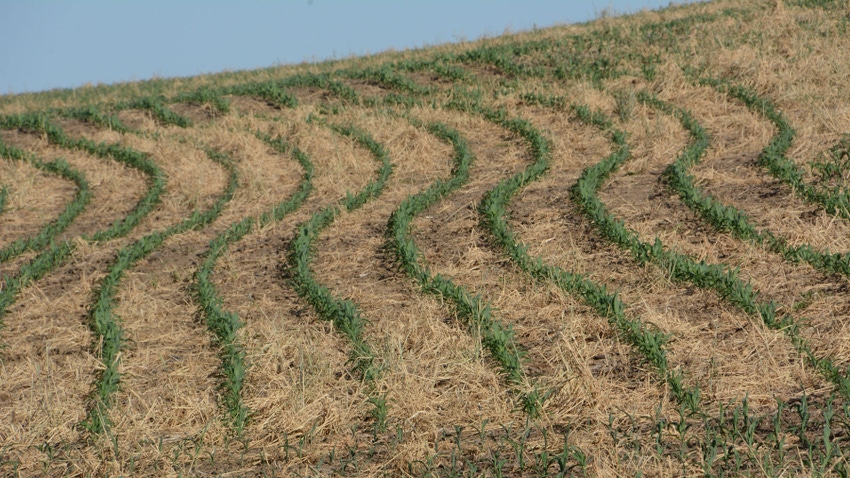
<point>610,249</point>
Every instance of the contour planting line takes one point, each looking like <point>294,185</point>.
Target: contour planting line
<point>472,309</point>
<point>59,167</point>
<point>57,253</point>
<point>344,314</point>
<point>108,334</point>
<point>727,218</point>
<point>780,167</point>
<point>224,324</point>
<point>475,312</point>
<point>494,217</point>
<point>717,277</point>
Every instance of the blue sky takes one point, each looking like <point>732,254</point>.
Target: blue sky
<point>47,44</point>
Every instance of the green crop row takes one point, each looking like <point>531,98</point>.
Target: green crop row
<point>648,343</point>
<point>834,201</point>
<point>108,334</point>
<point>4,196</point>
<point>156,105</point>
<point>773,157</point>
<point>388,78</point>
<point>204,96</point>
<point>324,82</point>
<point>342,313</point>
<point>473,310</point>
<point>270,91</point>
<point>92,114</point>
<point>716,277</point>
<point>130,157</point>
<point>59,167</point>
<point>224,324</point>
<point>56,254</point>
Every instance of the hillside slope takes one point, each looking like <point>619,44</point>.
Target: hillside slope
<point>612,248</point>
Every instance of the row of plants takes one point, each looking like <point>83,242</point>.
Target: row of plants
<point>56,253</point>
<point>834,200</point>
<point>826,455</point>
<point>108,333</point>
<point>735,439</point>
<point>727,283</point>
<point>59,167</point>
<point>648,343</point>
<point>344,314</point>
<point>4,197</point>
<point>225,324</point>
<point>772,158</point>
<point>717,277</point>
<point>473,310</point>
<point>728,218</point>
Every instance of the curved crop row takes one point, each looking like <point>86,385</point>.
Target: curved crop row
<point>681,267</point>
<point>780,167</point>
<point>497,337</point>
<point>92,114</point>
<point>725,282</point>
<point>58,167</point>
<point>128,156</point>
<point>342,313</point>
<point>225,324</point>
<point>649,343</point>
<point>472,309</point>
<point>108,335</point>
<point>773,156</point>
<point>156,105</point>
<point>727,218</point>
<point>57,253</point>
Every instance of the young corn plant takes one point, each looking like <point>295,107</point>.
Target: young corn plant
<point>4,196</point>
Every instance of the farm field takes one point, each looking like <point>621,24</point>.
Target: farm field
<point>619,248</point>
